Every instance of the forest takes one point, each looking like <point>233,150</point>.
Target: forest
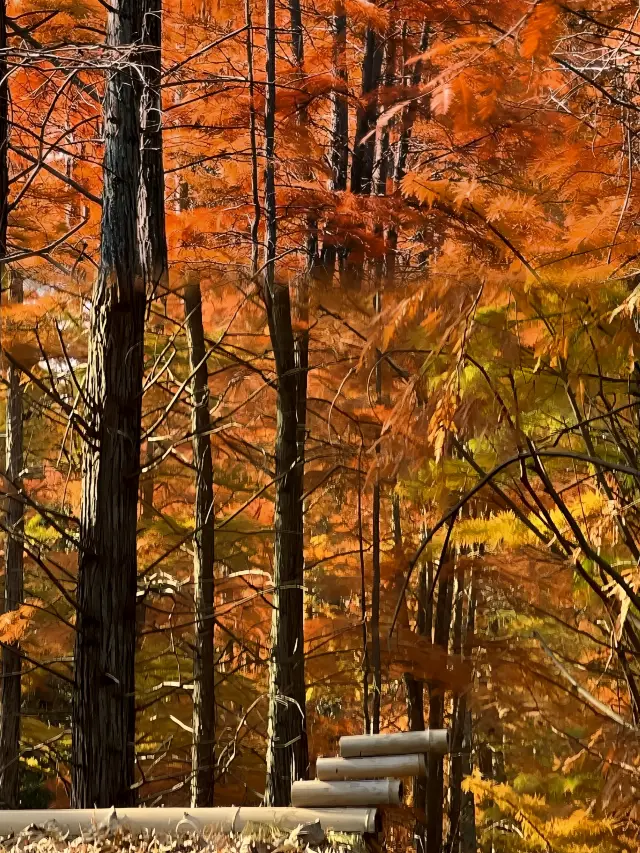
<point>320,406</point>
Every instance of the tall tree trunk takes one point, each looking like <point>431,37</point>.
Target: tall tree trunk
<point>339,150</point>
<point>362,161</point>
<point>301,305</point>
<point>255,190</point>
<point>382,164</point>
<point>468,841</point>
<point>204,717</point>
<point>376,665</point>
<point>339,145</point>
<point>458,721</point>
<point>297,40</point>
<point>410,113</point>
<point>10,684</point>
<point>151,220</point>
<point>378,185</point>
<point>415,692</point>
<point>435,764</point>
<point>287,749</point>
<point>104,692</point>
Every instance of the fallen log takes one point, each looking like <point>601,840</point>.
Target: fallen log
<point>369,792</point>
<point>172,821</point>
<point>376,767</point>
<point>401,743</point>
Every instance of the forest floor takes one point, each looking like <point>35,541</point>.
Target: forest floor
<point>262,840</point>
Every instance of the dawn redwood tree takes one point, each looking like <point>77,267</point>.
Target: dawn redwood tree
<point>151,213</point>
<point>363,157</point>
<point>204,708</point>
<point>104,697</point>
<point>204,702</point>
<point>287,747</point>
<point>338,154</point>
<point>11,681</point>
<point>12,287</point>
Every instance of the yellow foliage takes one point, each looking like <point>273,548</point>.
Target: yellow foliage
<point>14,623</point>
<point>539,829</point>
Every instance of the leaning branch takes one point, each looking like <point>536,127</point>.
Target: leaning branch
<point>486,480</point>
<point>584,694</point>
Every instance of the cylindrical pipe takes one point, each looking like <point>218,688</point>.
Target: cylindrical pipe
<point>369,792</point>
<point>177,820</point>
<point>376,767</point>
<point>401,743</point>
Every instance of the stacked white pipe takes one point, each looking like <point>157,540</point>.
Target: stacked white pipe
<point>344,797</point>
<point>369,770</point>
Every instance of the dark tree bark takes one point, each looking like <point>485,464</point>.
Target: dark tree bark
<point>362,161</point>
<point>378,184</point>
<point>255,190</point>
<point>376,665</point>
<point>415,696</point>
<point>151,213</point>
<point>10,684</point>
<point>301,306</point>
<point>152,227</point>
<point>339,150</point>
<point>468,837</point>
<point>410,113</point>
<point>376,668</point>
<point>383,157</point>
<point>458,721</point>
<point>339,144</point>
<point>287,749</point>
<point>468,841</point>
<point>204,718</point>
<point>297,40</point>
<point>104,692</point>
<point>435,763</point>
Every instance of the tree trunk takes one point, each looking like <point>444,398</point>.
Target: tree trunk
<point>10,684</point>
<point>152,228</point>
<point>339,145</point>
<point>362,161</point>
<point>415,691</point>
<point>301,306</point>
<point>339,150</point>
<point>104,692</point>
<point>376,670</point>
<point>377,183</point>
<point>435,764</point>
<point>458,722</point>
<point>468,841</point>
<point>410,113</point>
<point>255,190</point>
<point>376,666</point>
<point>383,158</point>
<point>287,750</point>
<point>204,709</point>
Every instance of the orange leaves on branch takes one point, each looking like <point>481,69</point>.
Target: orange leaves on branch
<point>442,421</point>
<point>444,49</point>
<point>593,227</point>
<point>14,623</point>
<point>364,12</point>
<point>541,29</point>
